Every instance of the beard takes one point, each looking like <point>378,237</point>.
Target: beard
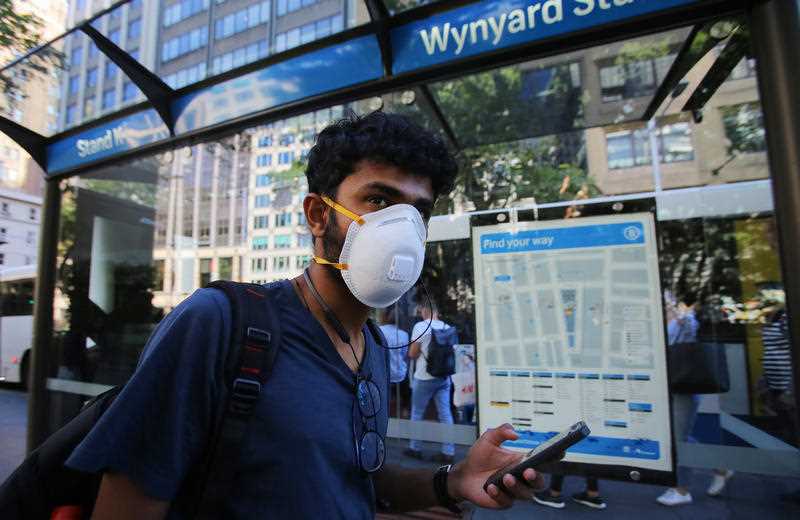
<point>332,243</point>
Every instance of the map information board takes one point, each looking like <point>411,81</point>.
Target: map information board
<point>569,328</point>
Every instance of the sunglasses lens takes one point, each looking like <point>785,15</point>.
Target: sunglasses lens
<point>372,452</point>
<point>369,399</point>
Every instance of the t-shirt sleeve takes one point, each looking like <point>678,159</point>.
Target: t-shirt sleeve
<point>159,424</point>
<point>418,329</point>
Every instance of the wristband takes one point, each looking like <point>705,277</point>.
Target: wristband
<point>440,489</point>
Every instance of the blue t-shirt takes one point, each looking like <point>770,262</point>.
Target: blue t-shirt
<point>298,459</point>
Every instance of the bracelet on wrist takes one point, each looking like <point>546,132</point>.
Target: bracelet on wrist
<point>440,489</point>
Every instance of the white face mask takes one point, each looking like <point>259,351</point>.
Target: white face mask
<point>382,254</point>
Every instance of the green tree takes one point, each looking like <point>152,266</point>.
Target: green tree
<point>19,34</point>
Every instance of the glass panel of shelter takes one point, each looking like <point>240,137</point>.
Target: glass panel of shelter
<point>185,41</point>
<point>232,209</point>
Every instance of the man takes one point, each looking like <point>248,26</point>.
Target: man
<point>424,386</point>
<point>298,459</point>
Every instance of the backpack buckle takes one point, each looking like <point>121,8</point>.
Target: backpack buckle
<point>260,337</point>
<point>244,395</point>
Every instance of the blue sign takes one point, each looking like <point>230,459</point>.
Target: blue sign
<point>647,449</point>
<point>119,135</point>
<point>621,234</point>
<point>487,26</point>
<point>318,72</point>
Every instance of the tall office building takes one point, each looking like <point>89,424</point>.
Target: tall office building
<point>33,103</point>
<point>235,206</point>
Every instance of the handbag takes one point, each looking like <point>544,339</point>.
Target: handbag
<point>698,368</point>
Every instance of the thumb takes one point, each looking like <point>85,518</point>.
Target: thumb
<point>497,436</point>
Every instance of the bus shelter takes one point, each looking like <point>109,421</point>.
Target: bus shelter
<point>176,158</point>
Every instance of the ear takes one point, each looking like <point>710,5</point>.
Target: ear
<point>316,214</point>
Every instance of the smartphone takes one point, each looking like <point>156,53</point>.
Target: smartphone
<point>549,451</point>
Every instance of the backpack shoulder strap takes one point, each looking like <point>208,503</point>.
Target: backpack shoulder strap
<point>255,343</point>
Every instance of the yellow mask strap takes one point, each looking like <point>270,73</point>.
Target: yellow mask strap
<point>341,267</point>
<point>344,211</point>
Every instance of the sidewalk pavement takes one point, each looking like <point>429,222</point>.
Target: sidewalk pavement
<point>746,496</point>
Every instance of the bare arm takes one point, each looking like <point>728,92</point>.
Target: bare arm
<point>403,489</point>
<point>414,350</point>
<point>120,499</point>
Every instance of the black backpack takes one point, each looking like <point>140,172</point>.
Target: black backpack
<point>441,358</point>
<point>43,483</point>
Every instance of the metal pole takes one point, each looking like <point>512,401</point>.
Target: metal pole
<point>775,30</point>
<point>38,408</point>
<point>655,159</point>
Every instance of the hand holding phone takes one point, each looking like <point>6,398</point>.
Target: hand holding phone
<point>549,451</point>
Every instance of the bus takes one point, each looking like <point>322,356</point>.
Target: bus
<point>16,322</point>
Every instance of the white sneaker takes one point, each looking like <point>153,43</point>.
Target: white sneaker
<point>717,485</point>
<point>671,497</point>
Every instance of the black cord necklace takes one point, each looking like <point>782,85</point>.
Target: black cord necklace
<point>331,318</point>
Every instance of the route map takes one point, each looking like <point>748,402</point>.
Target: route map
<point>570,328</point>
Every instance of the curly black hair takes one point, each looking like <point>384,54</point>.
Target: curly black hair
<point>384,138</point>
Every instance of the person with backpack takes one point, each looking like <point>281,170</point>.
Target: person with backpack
<point>308,385</point>
<point>434,358</point>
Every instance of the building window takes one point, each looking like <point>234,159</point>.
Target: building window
<point>260,243</point>
<point>630,148</point>
<point>301,217</point>
<point>182,10</point>
<point>633,79</point>
<point>184,44</point>
<point>2,259</point>
<point>30,238</point>
<point>302,261</point>
<point>158,275</point>
<point>114,36</point>
<point>129,91</point>
<point>263,180</point>
<point>744,128</point>
<point>262,201</point>
<point>260,222</point>
<point>109,98</point>
<point>242,20</point>
<point>308,32</point>
<point>286,139</point>
<point>286,158</point>
<point>33,214</point>
<point>264,141</point>
<point>91,78</point>
<point>76,56</point>
<point>226,268</point>
<point>304,240</point>
<point>5,209</point>
<point>134,28</point>
<point>71,116</point>
<point>283,219</point>
<point>205,271</point>
<point>74,84</point>
<point>186,76</point>
<point>280,263</point>
<point>88,107</point>
<point>264,160</point>
<point>110,70</point>
<point>92,50</point>
<point>288,6</point>
<point>283,241</point>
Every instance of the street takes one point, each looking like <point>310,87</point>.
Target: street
<point>13,420</point>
